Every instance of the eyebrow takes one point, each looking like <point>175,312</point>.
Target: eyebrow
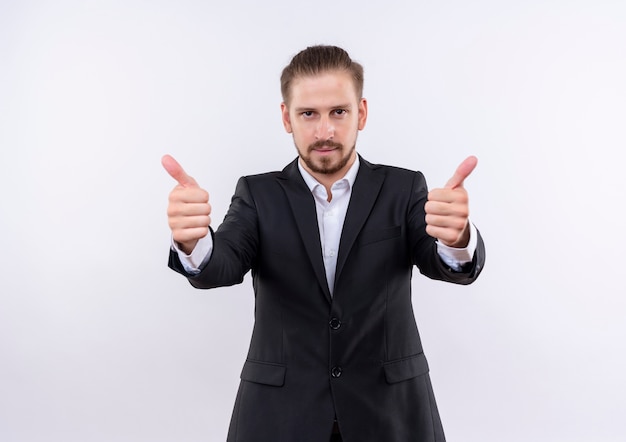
<point>338,106</point>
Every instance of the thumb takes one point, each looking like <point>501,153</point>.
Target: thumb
<point>462,172</point>
<point>177,172</point>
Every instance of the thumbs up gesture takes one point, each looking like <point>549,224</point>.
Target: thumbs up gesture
<point>447,209</point>
<point>188,209</point>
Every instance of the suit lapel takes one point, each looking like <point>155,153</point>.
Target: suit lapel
<point>364,193</point>
<point>305,214</point>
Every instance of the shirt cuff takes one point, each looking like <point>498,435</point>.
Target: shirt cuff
<point>198,257</point>
<point>456,258</point>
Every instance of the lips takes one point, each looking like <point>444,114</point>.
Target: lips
<point>323,151</point>
<point>324,146</point>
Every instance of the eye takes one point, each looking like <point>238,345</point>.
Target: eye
<point>339,112</point>
<point>307,114</point>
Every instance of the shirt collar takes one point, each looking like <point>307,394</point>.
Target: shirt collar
<point>349,177</point>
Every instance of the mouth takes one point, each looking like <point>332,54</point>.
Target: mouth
<point>324,147</point>
<point>324,150</point>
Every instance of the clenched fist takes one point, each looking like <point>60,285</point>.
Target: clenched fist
<point>447,209</point>
<point>188,211</point>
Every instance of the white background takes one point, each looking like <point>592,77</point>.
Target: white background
<point>99,341</point>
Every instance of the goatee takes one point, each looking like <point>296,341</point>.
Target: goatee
<point>325,165</point>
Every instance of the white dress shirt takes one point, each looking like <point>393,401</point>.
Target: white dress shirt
<point>330,218</point>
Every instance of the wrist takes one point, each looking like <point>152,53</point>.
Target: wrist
<point>187,246</point>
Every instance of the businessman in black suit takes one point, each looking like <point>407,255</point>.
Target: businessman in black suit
<point>331,242</point>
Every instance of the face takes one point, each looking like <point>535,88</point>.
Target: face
<point>324,115</point>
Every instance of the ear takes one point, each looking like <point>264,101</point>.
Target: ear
<point>286,120</point>
<point>362,113</point>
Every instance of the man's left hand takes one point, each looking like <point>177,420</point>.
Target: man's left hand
<point>447,209</point>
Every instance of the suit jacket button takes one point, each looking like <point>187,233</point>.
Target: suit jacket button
<point>335,324</point>
<point>335,372</point>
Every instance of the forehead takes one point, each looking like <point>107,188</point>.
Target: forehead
<point>324,88</point>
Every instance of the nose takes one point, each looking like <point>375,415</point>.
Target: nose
<point>325,129</point>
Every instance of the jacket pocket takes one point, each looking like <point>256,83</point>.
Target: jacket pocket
<point>406,368</point>
<point>264,373</point>
<point>371,236</point>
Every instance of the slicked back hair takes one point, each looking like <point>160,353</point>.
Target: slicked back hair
<point>316,60</point>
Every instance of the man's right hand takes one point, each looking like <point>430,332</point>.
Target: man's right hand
<point>188,209</point>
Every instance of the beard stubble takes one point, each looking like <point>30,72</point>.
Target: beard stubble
<point>326,165</point>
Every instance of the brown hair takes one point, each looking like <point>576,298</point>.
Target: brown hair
<point>315,60</point>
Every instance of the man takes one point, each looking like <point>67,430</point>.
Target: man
<point>331,242</point>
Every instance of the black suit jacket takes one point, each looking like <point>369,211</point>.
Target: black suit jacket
<point>357,355</point>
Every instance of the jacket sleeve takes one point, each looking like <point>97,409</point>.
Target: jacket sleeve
<point>234,244</point>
